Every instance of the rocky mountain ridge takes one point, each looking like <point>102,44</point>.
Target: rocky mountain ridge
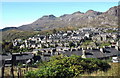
<point>78,19</point>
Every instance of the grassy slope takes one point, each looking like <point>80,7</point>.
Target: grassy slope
<point>12,34</point>
<point>113,71</point>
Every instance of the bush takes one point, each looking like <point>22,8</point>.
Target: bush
<point>68,67</point>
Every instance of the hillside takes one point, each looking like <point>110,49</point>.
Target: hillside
<point>8,35</point>
<point>12,34</point>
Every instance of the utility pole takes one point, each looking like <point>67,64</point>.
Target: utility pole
<point>12,61</point>
<point>3,67</point>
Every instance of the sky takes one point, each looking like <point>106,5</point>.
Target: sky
<point>59,0</point>
<point>14,14</point>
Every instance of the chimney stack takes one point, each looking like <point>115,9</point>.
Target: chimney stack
<point>98,47</point>
<point>91,48</point>
<point>51,53</point>
<point>110,46</point>
<point>82,48</point>
<point>83,54</point>
<point>118,43</point>
<point>102,50</point>
<point>117,48</point>
<point>88,48</point>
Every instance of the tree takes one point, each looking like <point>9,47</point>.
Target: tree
<point>71,44</point>
<point>54,31</point>
<point>7,46</point>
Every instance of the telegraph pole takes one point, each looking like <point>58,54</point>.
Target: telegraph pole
<point>3,67</point>
<point>12,61</point>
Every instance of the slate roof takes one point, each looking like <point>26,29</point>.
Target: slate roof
<point>24,57</point>
<point>6,56</point>
<point>18,56</point>
<point>95,53</point>
<point>111,52</point>
<point>69,53</point>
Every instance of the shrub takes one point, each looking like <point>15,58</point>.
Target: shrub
<point>67,67</point>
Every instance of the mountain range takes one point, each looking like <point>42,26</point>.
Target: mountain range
<point>78,19</point>
<point>90,18</point>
